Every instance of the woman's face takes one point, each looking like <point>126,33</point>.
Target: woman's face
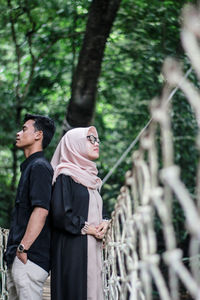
<point>92,145</point>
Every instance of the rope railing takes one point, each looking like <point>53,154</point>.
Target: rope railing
<point>134,267</point>
<point>3,242</point>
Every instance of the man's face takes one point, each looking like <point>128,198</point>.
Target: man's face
<point>27,136</point>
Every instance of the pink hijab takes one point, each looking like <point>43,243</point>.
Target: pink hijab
<point>70,158</point>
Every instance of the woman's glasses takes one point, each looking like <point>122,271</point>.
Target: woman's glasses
<point>93,139</point>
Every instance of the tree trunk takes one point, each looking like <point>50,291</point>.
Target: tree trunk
<point>84,85</point>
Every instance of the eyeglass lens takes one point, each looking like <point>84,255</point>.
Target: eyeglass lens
<point>93,139</point>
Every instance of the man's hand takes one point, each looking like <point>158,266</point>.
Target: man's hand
<point>22,256</point>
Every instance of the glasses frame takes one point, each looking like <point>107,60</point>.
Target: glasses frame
<point>93,139</point>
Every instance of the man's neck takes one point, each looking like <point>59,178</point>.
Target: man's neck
<point>28,152</point>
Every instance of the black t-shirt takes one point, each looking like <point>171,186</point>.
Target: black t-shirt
<point>34,190</point>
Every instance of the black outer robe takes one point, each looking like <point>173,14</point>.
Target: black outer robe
<point>69,211</point>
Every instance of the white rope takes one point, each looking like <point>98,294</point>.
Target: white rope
<point>125,153</point>
<point>141,132</point>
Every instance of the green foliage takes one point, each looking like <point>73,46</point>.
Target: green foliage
<point>6,195</point>
<point>145,32</point>
<point>40,42</point>
<point>49,34</point>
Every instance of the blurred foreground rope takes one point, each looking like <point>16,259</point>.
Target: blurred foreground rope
<point>133,267</point>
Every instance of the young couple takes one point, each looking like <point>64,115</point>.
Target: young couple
<point>59,228</point>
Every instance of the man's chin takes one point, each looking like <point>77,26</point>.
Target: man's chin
<point>18,146</point>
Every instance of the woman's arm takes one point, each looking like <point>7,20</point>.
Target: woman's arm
<point>61,207</point>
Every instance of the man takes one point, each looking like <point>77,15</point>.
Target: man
<point>28,246</point>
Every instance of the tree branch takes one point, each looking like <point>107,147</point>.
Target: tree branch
<point>33,30</point>
<point>17,50</point>
<point>40,56</point>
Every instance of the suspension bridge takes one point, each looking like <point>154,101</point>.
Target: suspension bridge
<point>133,266</point>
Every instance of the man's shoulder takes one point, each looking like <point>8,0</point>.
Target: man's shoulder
<point>41,163</point>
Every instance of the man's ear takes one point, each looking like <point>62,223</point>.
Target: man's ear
<point>38,135</point>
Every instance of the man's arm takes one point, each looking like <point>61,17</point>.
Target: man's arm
<point>34,227</point>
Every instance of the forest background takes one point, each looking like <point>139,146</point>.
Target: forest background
<point>90,62</point>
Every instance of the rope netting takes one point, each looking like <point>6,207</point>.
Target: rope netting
<point>134,266</point>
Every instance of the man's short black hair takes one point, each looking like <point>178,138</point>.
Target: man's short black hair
<point>45,124</point>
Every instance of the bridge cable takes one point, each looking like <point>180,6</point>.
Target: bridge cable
<point>141,132</point>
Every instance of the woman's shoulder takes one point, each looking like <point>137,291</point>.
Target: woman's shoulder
<point>67,179</point>
<point>63,178</point>
<point>65,184</point>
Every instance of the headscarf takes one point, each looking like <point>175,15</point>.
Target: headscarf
<point>71,158</point>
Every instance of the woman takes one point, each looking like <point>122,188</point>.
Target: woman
<point>78,225</point>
